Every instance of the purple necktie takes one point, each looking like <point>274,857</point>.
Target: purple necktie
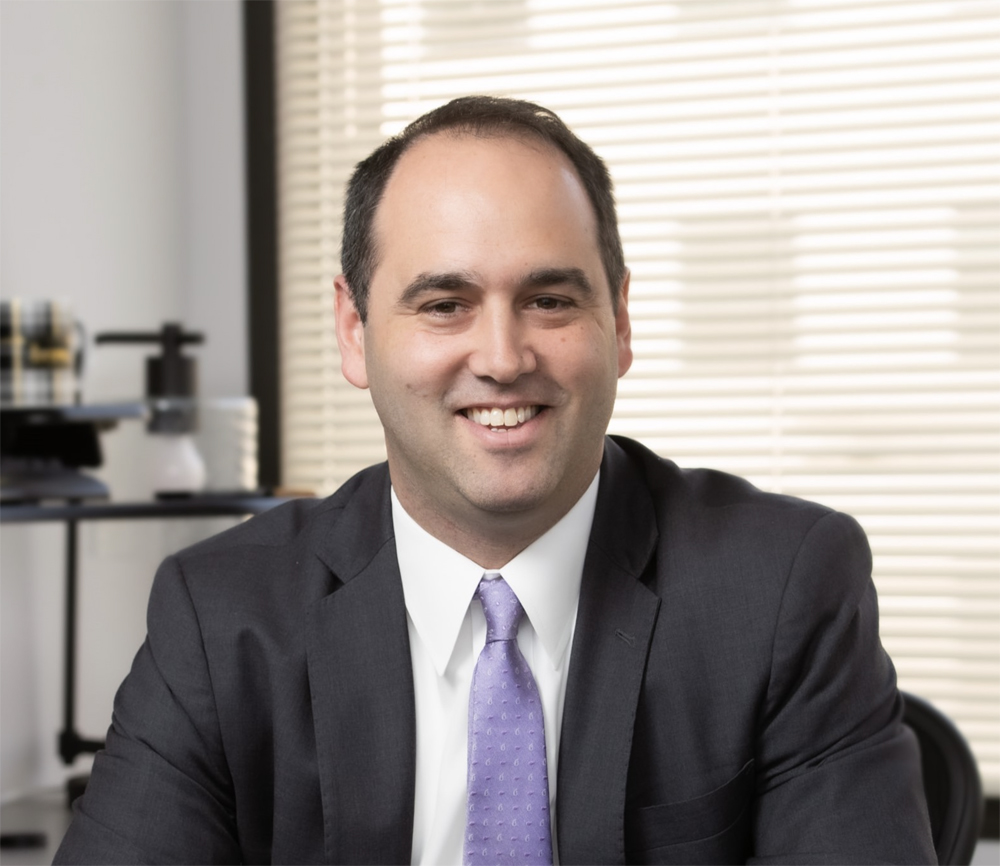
<point>508,813</point>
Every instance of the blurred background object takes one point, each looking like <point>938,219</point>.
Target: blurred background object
<point>40,354</point>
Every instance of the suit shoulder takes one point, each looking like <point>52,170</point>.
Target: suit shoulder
<point>709,489</point>
<point>286,523</point>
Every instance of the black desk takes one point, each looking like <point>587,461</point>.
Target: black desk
<point>71,743</point>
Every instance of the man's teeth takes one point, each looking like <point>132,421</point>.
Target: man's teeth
<point>502,417</point>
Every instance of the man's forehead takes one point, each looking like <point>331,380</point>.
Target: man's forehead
<point>521,188</point>
<point>439,149</point>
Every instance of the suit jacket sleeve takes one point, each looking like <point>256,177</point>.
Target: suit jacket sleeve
<point>161,790</point>
<point>838,775</point>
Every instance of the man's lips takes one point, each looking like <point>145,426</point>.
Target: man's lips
<point>497,417</point>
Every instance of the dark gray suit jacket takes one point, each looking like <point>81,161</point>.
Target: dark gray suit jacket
<point>728,697</point>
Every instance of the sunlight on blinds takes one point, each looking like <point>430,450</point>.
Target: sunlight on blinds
<point>808,195</point>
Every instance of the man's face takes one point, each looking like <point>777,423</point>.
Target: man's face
<point>491,348</point>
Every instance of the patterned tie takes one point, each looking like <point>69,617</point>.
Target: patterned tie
<point>508,810</point>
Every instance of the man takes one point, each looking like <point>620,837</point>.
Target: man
<point>704,657</point>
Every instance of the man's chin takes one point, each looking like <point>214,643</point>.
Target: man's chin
<point>526,484</point>
<point>531,494</point>
<point>507,505</point>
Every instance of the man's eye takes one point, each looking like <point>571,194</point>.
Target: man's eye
<point>549,303</point>
<point>442,308</point>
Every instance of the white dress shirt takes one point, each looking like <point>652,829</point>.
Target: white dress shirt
<point>447,632</point>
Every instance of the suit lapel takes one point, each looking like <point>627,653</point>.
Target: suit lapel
<point>361,685</point>
<point>614,626</point>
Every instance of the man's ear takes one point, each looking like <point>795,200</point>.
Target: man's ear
<point>350,335</point>
<point>623,328</point>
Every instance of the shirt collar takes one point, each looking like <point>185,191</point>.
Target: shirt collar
<point>438,582</point>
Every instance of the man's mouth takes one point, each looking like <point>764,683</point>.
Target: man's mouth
<point>499,419</point>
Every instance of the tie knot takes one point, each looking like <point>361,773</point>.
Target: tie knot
<point>501,608</point>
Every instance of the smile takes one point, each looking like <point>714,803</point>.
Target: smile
<point>500,418</point>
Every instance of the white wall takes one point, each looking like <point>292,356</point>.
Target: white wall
<point>121,191</point>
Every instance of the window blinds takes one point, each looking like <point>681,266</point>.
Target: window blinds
<point>808,194</point>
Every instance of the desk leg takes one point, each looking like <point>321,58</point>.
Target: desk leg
<point>71,743</point>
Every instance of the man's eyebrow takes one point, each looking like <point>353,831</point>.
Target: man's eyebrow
<point>539,278</point>
<point>543,277</point>
<point>447,281</point>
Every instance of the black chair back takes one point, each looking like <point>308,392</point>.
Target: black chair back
<point>951,781</point>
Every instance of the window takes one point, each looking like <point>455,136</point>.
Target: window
<point>809,204</point>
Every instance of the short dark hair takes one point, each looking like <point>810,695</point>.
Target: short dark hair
<point>484,116</point>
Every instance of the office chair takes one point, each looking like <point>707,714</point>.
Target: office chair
<point>951,781</point>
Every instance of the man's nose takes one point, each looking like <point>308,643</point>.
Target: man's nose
<point>502,348</point>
